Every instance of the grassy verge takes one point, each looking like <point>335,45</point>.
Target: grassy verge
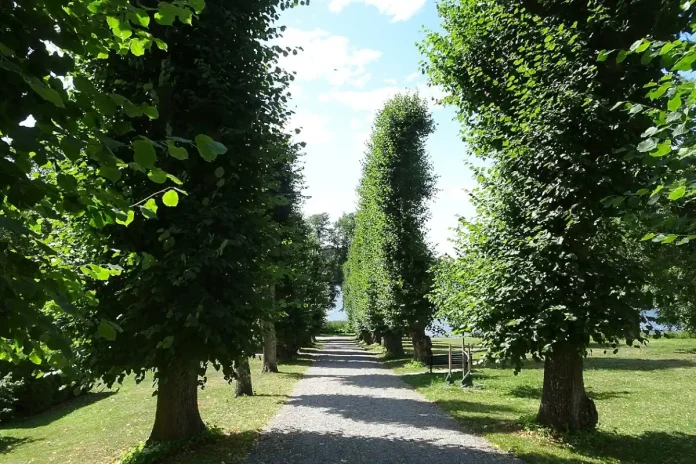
<point>99,427</point>
<point>645,397</point>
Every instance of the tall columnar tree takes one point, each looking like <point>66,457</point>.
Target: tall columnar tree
<point>387,275</point>
<point>542,272</point>
<point>200,296</point>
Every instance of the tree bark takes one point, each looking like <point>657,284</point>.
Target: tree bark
<point>270,357</point>
<point>243,387</point>
<point>368,338</point>
<point>421,348</point>
<point>377,337</point>
<point>564,402</point>
<point>393,344</point>
<point>177,416</point>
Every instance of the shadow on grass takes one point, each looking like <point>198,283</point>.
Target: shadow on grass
<point>230,448</point>
<point>532,392</point>
<point>57,412</point>
<point>629,364</point>
<point>7,444</point>
<point>647,448</point>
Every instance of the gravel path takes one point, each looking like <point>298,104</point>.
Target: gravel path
<point>350,408</point>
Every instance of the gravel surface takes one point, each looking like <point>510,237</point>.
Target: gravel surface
<point>350,408</point>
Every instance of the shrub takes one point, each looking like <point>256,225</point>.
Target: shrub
<point>337,328</point>
<point>156,452</point>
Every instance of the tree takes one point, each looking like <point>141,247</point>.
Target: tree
<point>542,271</point>
<point>59,160</point>
<point>199,296</point>
<point>306,291</point>
<point>387,275</point>
<point>340,238</point>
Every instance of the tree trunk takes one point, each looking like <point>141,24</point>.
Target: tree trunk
<point>377,337</point>
<point>243,387</point>
<point>270,358</point>
<point>368,338</point>
<point>177,416</point>
<point>564,403</point>
<point>393,344</point>
<point>421,348</point>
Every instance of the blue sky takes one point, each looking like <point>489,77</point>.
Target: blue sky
<point>357,54</point>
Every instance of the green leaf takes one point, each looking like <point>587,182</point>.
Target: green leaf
<point>162,45</point>
<point>179,153</point>
<point>149,209</point>
<point>621,56</point>
<point>679,130</point>
<point>219,172</point>
<point>648,236</point>
<point>604,54</point>
<point>145,154</point>
<point>157,175</point>
<point>137,46</point>
<point>140,17</point>
<point>174,179</point>
<point>170,198</point>
<point>46,92</point>
<point>35,358</point>
<point>131,217</point>
<point>166,14</point>
<point>677,193</point>
<point>110,172</point>
<point>208,148</point>
<point>647,145</point>
<point>148,260</point>
<point>674,103</point>
<point>669,239</point>
<point>150,111</point>
<point>106,330</point>
<point>662,149</point>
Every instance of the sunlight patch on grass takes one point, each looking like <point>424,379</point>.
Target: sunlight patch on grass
<point>99,427</point>
<point>645,398</point>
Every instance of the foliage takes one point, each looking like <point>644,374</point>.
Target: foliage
<point>544,265</point>
<point>156,452</point>
<point>334,239</point>
<point>337,328</point>
<point>305,293</point>
<point>386,272</point>
<point>668,144</point>
<point>59,158</point>
<point>200,295</point>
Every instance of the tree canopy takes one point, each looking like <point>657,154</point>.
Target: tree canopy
<point>387,270</point>
<point>542,271</point>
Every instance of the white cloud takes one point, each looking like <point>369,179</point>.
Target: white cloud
<point>413,76</point>
<point>390,81</point>
<point>373,100</point>
<point>359,100</point>
<point>314,127</point>
<point>326,56</point>
<point>399,10</point>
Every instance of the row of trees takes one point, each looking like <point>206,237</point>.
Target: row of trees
<point>386,275</point>
<point>150,214</point>
<point>575,176</point>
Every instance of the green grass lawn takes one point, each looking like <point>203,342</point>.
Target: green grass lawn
<point>646,400</point>
<point>99,427</point>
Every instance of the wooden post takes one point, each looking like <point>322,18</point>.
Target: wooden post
<point>464,360</point>
<point>450,359</point>
<point>470,360</point>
